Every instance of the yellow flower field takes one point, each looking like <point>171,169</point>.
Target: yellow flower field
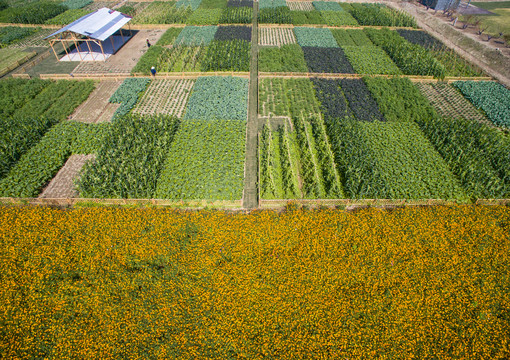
<point>119,283</point>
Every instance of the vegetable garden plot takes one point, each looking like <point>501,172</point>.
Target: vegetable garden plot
<point>327,60</point>
<point>40,163</point>
<point>361,102</point>
<point>286,97</point>
<point>276,36</point>
<point>31,13</point>
<point>227,55</point>
<point>271,4</point>
<point>233,32</point>
<point>37,39</point>
<point>327,6</point>
<point>182,58</point>
<point>160,12</point>
<point>338,18</point>
<point>410,166</point>
<point>278,15</point>
<point>333,102</point>
<point>218,97</point>
<point>18,92</point>
<point>288,58</point>
<point>449,102</point>
<point>491,97</point>
<point>205,161</point>
<point>127,94</point>
<point>421,38</point>
<point>240,3</point>
<point>380,15</point>
<point>194,4</point>
<point>476,153</point>
<point>307,17</point>
<point>370,60</point>
<point>76,4</point>
<point>196,35</point>
<point>67,17</point>
<point>13,34</point>
<point>205,17</point>
<point>165,97</point>
<point>169,37</point>
<point>317,37</point>
<point>130,159</point>
<point>236,15</point>
<point>410,58</point>
<point>351,37</point>
<point>300,5</point>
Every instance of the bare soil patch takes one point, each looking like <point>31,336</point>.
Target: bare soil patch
<point>96,108</point>
<point>62,185</point>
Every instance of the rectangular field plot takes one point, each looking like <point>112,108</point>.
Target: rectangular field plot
<point>276,36</point>
<point>449,102</point>
<point>165,97</point>
<point>370,60</point>
<point>205,161</point>
<point>315,37</point>
<point>287,58</point>
<point>218,97</point>
<point>162,13</point>
<point>297,162</point>
<point>327,60</point>
<point>300,5</point>
<point>286,97</point>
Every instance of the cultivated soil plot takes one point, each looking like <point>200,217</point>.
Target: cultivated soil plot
<point>62,185</point>
<point>450,102</point>
<point>300,5</point>
<point>97,108</point>
<point>165,97</point>
<point>276,36</point>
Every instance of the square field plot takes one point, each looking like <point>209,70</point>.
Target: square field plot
<point>205,161</point>
<point>318,37</point>
<point>196,35</point>
<point>300,5</point>
<point>218,97</point>
<point>370,60</point>
<point>165,97</point>
<point>233,33</point>
<point>276,36</point>
<point>327,60</point>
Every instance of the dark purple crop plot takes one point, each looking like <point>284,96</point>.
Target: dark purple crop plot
<point>360,100</point>
<point>327,60</point>
<point>240,3</point>
<point>233,33</point>
<point>420,38</point>
<point>333,103</point>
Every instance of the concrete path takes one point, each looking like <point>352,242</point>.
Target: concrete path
<point>250,196</point>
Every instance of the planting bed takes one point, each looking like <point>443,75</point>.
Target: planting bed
<point>276,36</point>
<point>165,97</point>
<point>449,102</point>
<point>300,5</point>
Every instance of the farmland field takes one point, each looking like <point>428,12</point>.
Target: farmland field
<point>370,133</point>
<point>165,97</point>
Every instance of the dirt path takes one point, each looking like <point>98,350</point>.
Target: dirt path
<point>125,59</point>
<point>97,108</point>
<point>250,195</point>
<point>494,62</point>
<point>62,185</point>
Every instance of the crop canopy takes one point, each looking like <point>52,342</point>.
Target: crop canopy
<point>99,25</point>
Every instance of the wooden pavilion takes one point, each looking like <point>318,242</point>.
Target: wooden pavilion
<point>92,35</point>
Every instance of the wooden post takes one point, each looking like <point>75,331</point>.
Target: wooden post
<point>65,48</point>
<point>102,51</point>
<point>52,48</point>
<point>77,48</point>
<point>122,36</point>
<point>90,50</point>
<point>113,46</point>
